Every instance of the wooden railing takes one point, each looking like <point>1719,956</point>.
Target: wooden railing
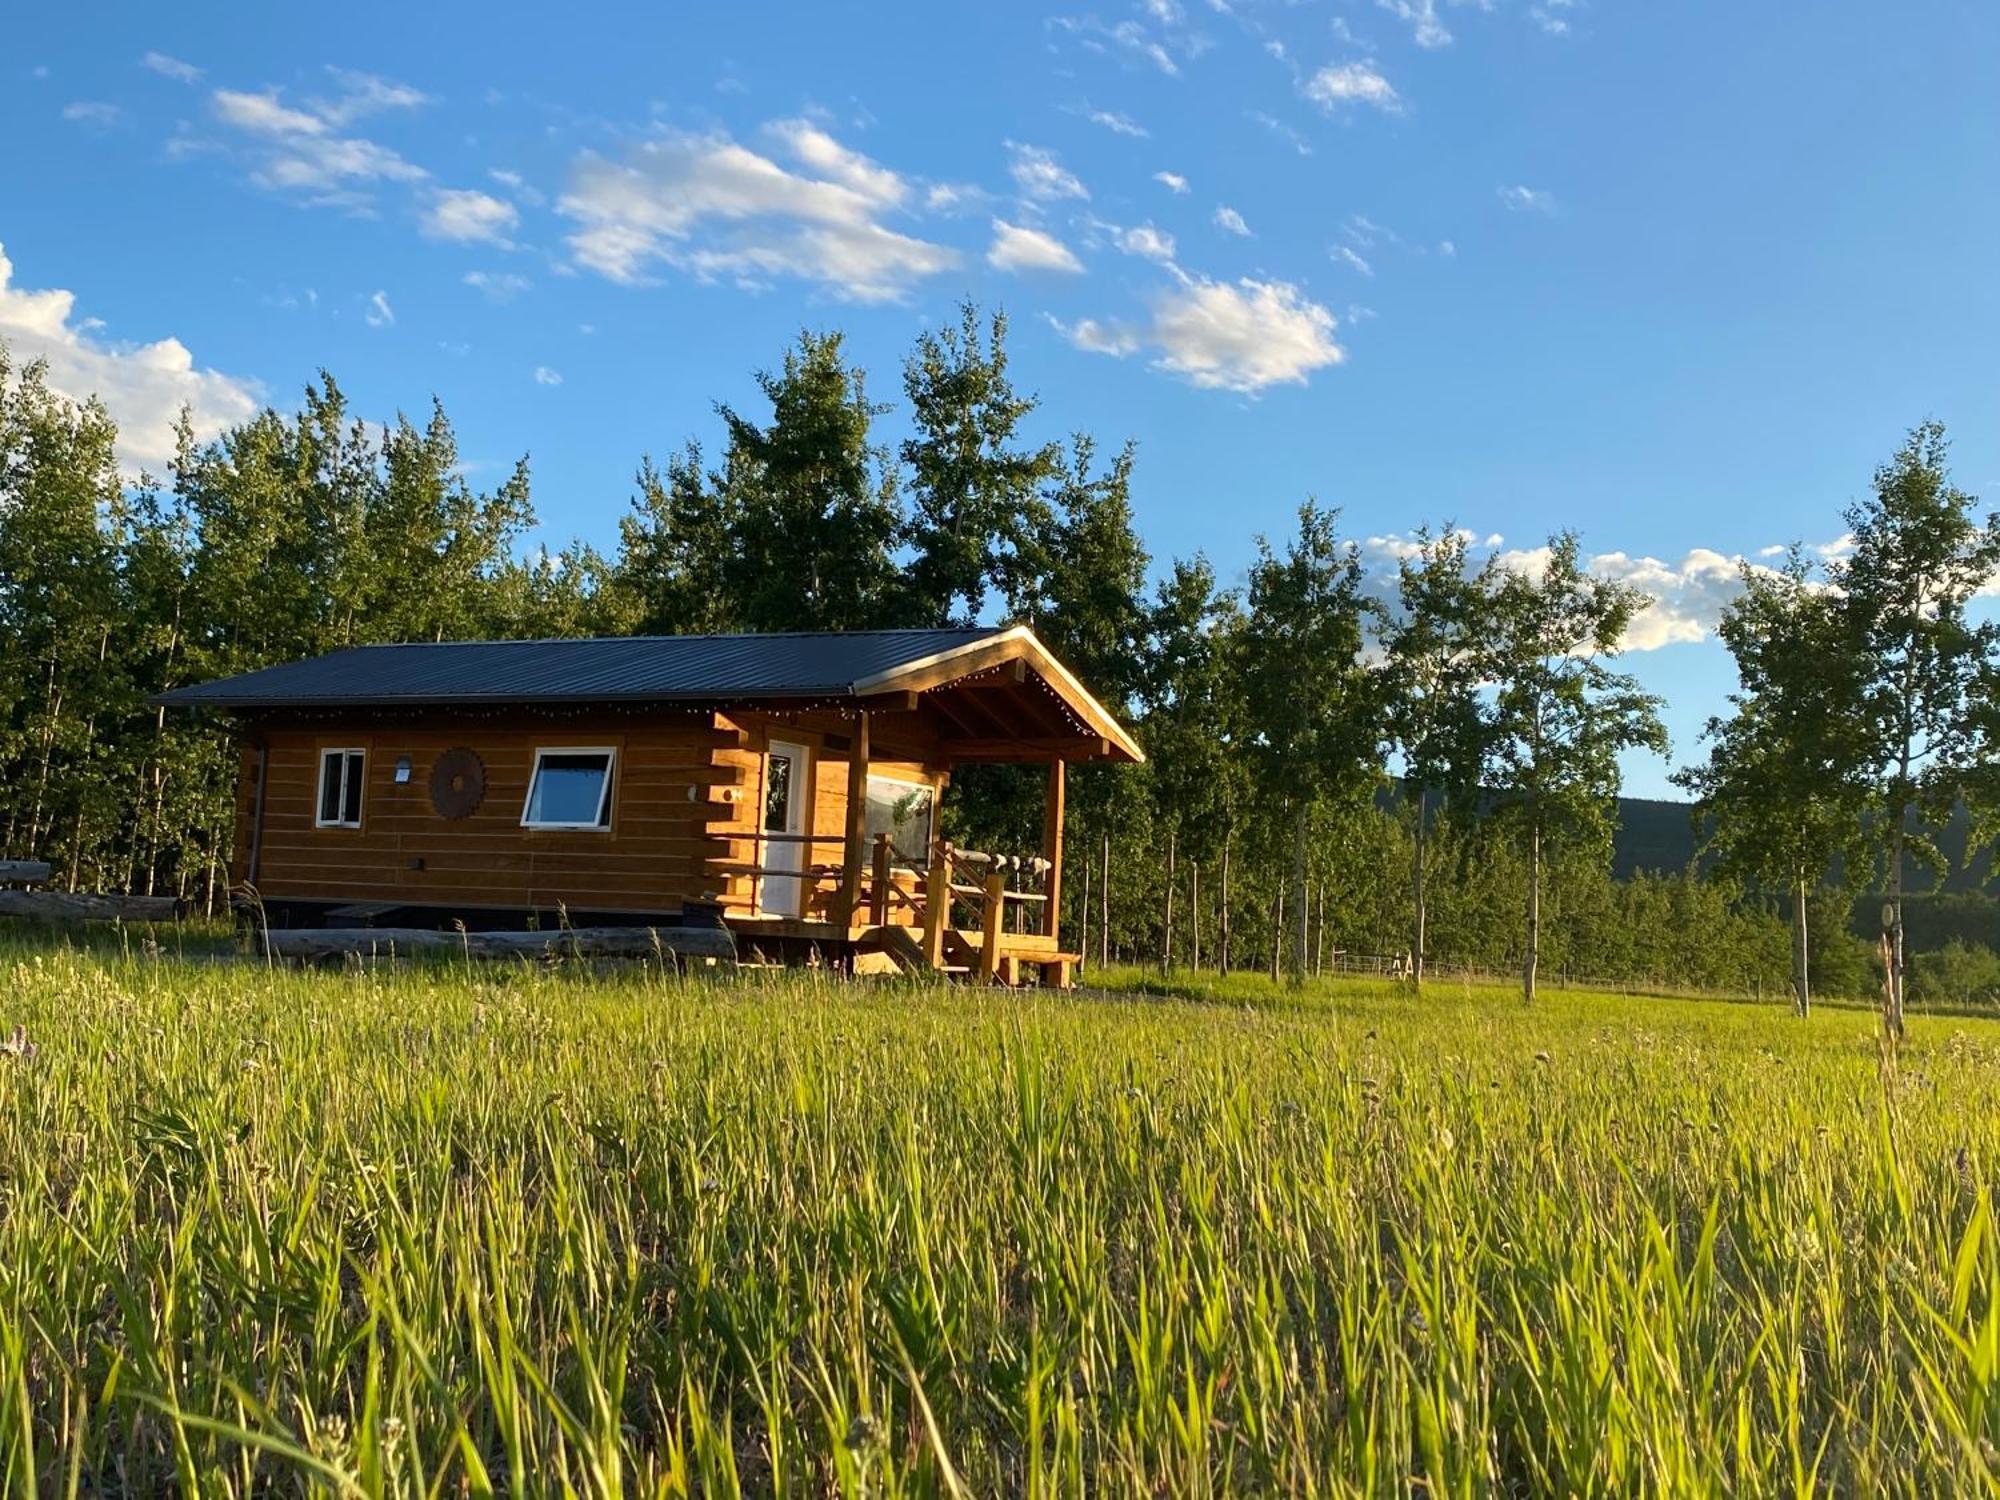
<point>947,876</point>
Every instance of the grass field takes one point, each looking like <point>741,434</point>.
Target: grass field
<point>527,1232</point>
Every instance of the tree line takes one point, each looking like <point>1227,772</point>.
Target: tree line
<point>1310,734</point>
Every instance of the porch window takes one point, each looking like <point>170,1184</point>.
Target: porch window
<point>341,774</point>
<point>901,809</point>
<point>570,788</point>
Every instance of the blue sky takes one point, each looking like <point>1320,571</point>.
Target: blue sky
<point>1677,276</point>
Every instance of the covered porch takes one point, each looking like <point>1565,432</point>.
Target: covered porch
<point>900,897</point>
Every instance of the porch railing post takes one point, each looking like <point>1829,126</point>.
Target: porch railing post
<point>853,852</point>
<point>937,904</point>
<point>884,882</point>
<point>989,925</point>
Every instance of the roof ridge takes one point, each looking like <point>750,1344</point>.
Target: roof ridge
<point>719,635</point>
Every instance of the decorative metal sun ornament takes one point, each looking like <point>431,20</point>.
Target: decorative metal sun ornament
<point>458,783</point>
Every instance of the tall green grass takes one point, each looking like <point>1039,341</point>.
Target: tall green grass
<point>521,1232</point>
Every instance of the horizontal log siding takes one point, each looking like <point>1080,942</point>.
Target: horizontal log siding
<point>672,815</point>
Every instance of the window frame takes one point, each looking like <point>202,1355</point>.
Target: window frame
<point>605,797</point>
<point>916,781</point>
<point>346,754</point>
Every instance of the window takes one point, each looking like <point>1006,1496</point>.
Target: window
<point>901,809</point>
<point>340,778</point>
<point>570,789</point>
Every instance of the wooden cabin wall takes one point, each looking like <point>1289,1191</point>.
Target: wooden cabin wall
<point>683,801</point>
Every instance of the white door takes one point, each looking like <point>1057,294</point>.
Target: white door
<point>786,799</point>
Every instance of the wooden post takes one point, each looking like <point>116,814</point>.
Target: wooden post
<point>1277,930</point>
<point>1104,910</point>
<point>989,925</point>
<point>857,820</point>
<point>884,881</point>
<point>1052,849</point>
<point>1167,925</point>
<point>937,904</point>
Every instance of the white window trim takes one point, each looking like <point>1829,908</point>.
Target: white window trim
<point>319,786</point>
<point>609,752</point>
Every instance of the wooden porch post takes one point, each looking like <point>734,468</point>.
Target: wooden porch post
<point>854,852</point>
<point>1052,850</point>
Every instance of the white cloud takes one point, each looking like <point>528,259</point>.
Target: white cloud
<point>1447,249</point>
<point>545,376</point>
<point>1040,176</point>
<point>1546,18</point>
<point>264,114</point>
<point>379,313</point>
<point>1127,36</point>
<point>1281,130</point>
<point>516,184</point>
<point>300,151</point>
<point>1147,242</point>
<point>143,386</point>
<point>1018,247</point>
<point>1116,123</point>
<point>708,205</point>
<point>1425,27</point>
<point>1353,258</point>
<point>1688,595</point>
<point>171,67</point>
<point>1352,83</point>
<point>1528,200</point>
<point>1093,337</point>
<point>468,216</point>
<point>1173,182</point>
<point>1241,337</point>
<point>1229,219</point>
<point>498,286</point>
<point>365,94</point>
<point>813,148</point>
<point>93,112</point>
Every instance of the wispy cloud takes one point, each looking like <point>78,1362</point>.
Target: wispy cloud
<point>1039,175</point>
<point>1116,123</point>
<point>1021,247</point>
<point>1281,130</point>
<point>1350,256</point>
<point>95,113</point>
<point>1227,218</point>
<point>1425,27</point>
<point>545,376</point>
<point>497,286</point>
<point>713,207</point>
<point>171,67</point>
<point>467,216</point>
<point>378,312</point>
<point>1145,241</point>
<point>1173,182</point>
<point>1352,83</point>
<point>1528,200</point>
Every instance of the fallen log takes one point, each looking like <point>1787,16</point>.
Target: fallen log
<point>23,871</point>
<point>77,906</point>
<point>316,943</point>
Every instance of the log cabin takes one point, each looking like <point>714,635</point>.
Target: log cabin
<point>786,785</point>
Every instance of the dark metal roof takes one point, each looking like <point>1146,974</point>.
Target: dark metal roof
<point>807,664</point>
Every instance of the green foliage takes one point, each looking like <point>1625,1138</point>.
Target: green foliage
<point>427,1233</point>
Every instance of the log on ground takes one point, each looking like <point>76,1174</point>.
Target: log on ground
<point>316,943</point>
<point>23,872</point>
<point>77,906</point>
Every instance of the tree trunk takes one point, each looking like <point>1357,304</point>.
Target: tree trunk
<point>1534,953</point>
<point>1167,918</point>
<point>1222,955</point>
<point>1892,988</point>
<point>1302,921</point>
<point>1083,933</point>
<point>1801,982</point>
<point>1417,896</point>
<point>1277,931</point>
<point>1104,910</point>
<point>1194,915</point>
